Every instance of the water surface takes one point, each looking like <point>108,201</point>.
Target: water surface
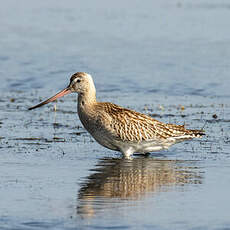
<point>167,59</point>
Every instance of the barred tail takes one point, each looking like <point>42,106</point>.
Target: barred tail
<point>196,133</point>
<point>189,134</point>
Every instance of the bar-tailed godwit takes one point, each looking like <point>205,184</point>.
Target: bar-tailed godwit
<point>118,128</point>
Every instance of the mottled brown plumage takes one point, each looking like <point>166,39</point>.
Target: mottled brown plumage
<point>129,125</point>
<point>119,128</point>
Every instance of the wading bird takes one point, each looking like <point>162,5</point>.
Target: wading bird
<point>118,128</point>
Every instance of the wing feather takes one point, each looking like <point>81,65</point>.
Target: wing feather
<point>129,125</point>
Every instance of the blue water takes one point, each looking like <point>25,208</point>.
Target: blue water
<point>167,59</point>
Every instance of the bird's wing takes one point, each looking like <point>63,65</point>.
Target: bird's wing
<point>129,125</point>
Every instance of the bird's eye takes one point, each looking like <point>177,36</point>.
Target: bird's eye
<point>78,80</point>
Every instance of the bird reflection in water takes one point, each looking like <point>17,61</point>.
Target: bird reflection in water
<point>115,182</point>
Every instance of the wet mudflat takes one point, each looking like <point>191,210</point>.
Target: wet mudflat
<point>168,60</point>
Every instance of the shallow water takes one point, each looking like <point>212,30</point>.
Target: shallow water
<point>168,60</point>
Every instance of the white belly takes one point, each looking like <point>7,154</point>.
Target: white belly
<point>128,148</point>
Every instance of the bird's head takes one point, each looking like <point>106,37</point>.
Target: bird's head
<point>80,83</point>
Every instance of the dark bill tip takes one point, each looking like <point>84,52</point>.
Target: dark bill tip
<point>56,96</point>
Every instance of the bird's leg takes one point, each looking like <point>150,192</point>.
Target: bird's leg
<point>127,151</point>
